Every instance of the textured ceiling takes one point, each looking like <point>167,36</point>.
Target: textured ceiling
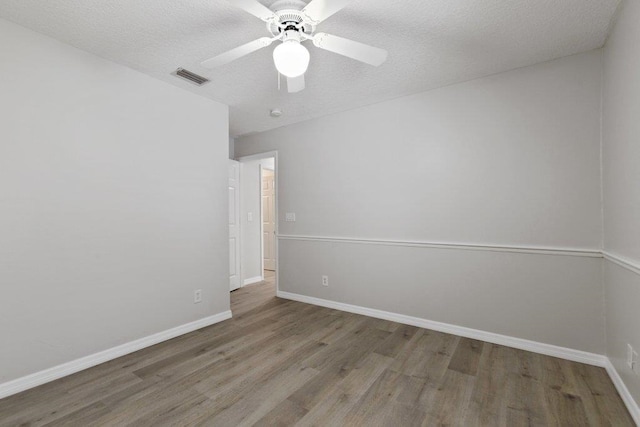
<point>430,43</point>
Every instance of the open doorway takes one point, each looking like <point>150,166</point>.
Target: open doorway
<point>258,222</point>
<point>268,220</point>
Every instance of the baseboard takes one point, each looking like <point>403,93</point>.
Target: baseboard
<point>252,280</point>
<point>507,341</point>
<point>624,392</point>
<point>51,374</point>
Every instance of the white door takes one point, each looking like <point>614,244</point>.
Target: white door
<point>268,219</point>
<point>234,225</point>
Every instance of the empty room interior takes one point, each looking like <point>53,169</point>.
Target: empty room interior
<point>319,212</point>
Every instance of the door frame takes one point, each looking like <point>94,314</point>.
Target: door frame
<point>261,156</point>
<point>238,218</point>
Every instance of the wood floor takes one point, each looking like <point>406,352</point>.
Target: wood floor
<point>280,362</point>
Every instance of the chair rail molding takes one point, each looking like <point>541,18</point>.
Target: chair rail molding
<point>622,262</point>
<point>589,253</point>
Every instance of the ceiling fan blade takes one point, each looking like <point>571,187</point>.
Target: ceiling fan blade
<point>351,49</point>
<point>319,10</point>
<point>255,8</point>
<point>238,52</point>
<point>295,84</point>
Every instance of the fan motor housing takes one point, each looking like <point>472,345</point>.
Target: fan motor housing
<point>289,12</point>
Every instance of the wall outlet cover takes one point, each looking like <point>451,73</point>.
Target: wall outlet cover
<point>197,296</point>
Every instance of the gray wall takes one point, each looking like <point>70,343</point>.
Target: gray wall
<point>621,179</point>
<point>113,190</point>
<point>508,160</point>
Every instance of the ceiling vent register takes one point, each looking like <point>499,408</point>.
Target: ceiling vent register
<point>191,77</point>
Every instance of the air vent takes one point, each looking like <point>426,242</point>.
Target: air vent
<point>192,77</point>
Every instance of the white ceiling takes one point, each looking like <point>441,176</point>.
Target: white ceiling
<point>430,43</point>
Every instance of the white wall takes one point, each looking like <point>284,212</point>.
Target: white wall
<point>232,147</point>
<point>251,231</point>
<point>621,179</point>
<point>508,160</point>
<point>112,204</point>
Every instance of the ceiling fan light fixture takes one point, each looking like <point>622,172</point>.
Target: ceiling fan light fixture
<point>291,58</point>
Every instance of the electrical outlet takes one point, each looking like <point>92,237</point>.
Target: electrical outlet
<point>632,358</point>
<point>290,217</point>
<point>197,296</point>
<point>325,280</point>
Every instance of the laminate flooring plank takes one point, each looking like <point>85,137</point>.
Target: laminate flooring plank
<point>252,335</point>
<point>345,350</point>
<point>224,397</point>
<point>344,325</point>
<point>447,403</point>
<point>427,355</point>
<point>565,409</point>
<point>182,412</point>
<point>231,368</point>
<point>162,398</point>
<point>82,416</point>
<point>59,405</point>
<point>58,389</point>
<point>252,407</point>
<point>335,362</point>
<point>397,341</point>
<point>370,406</point>
<point>396,414</point>
<point>466,357</point>
<point>384,325</point>
<point>117,399</point>
<point>487,406</point>
<point>347,392</point>
<point>225,394</point>
<point>265,312</point>
<point>600,397</point>
<point>286,413</point>
<point>525,402</point>
<point>558,375</point>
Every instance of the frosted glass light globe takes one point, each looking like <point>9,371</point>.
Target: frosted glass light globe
<point>291,58</point>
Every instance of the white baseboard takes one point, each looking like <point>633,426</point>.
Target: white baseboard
<point>48,375</point>
<point>252,280</point>
<point>624,392</point>
<point>507,341</point>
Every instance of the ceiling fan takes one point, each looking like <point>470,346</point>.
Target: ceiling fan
<point>293,22</point>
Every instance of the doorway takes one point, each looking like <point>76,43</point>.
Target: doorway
<point>268,220</point>
<point>258,221</point>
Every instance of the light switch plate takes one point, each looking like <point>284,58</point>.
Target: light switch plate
<point>632,358</point>
<point>290,217</point>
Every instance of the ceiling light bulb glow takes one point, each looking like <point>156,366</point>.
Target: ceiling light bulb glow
<point>291,58</point>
